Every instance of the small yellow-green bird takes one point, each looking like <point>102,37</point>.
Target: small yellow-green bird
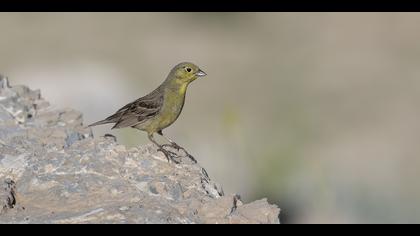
<point>160,108</point>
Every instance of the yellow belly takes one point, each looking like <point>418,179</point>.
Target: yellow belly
<point>170,111</point>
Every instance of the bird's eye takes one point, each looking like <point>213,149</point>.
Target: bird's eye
<point>188,69</point>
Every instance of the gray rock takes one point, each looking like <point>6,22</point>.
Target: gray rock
<point>52,170</point>
<point>8,195</point>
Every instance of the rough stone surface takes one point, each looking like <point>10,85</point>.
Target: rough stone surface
<point>52,170</point>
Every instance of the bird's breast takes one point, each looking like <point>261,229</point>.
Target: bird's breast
<point>172,107</point>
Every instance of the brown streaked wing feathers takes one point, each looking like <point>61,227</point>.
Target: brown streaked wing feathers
<point>137,111</point>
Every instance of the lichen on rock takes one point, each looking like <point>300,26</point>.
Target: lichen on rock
<point>52,170</point>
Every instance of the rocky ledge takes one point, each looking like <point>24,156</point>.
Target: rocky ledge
<point>52,170</point>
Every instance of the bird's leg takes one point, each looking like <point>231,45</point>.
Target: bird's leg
<point>168,154</point>
<point>176,146</point>
<point>172,143</point>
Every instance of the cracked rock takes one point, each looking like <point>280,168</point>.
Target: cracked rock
<point>8,195</point>
<point>52,170</point>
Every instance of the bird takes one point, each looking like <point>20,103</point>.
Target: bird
<point>159,109</point>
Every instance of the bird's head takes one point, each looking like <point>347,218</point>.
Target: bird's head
<point>186,72</point>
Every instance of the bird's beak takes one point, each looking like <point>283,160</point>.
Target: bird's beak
<point>200,73</point>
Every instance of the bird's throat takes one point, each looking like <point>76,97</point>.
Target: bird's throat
<point>182,89</point>
<point>179,88</point>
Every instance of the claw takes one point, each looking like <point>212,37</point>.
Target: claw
<point>169,155</point>
<point>185,151</point>
<point>177,147</point>
<point>170,145</point>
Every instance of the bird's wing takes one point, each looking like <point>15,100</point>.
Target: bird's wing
<point>137,111</point>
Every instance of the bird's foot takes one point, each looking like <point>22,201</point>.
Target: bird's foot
<point>173,145</point>
<point>177,147</point>
<point>171,156</point>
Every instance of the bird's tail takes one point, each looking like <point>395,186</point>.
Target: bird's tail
<point>100,123</point>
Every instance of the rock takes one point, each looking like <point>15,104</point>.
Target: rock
<point>52,170</point>
<point>8,195</point>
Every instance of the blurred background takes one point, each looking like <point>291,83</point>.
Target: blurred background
<point>318,112</point>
